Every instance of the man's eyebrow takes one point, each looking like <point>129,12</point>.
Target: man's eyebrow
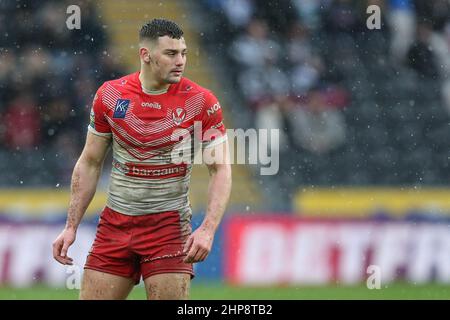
<point>174,50</point>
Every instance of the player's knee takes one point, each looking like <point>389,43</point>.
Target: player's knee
<point>177,288</point>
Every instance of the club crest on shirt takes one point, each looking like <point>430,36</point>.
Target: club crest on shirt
<point>178,115</point>
<point>121,108</point>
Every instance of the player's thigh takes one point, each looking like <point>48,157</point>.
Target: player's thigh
<point>168,286</point>
<point>97,285</point>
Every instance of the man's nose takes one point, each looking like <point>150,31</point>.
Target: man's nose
<point>180,60</point>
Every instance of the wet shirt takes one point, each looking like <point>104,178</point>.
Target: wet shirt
<point>147,130</point>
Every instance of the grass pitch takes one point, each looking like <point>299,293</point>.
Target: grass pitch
<point>218,291</point>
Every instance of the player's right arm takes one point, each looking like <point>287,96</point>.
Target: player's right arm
<point>85,177</point>
<point>84,183</point>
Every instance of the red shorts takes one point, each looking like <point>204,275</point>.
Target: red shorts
<point>131,246</point>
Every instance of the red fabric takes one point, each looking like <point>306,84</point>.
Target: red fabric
<point>98,120</point>
<point>153,117</point>
<point>131,246</point>
<point>211,118</point>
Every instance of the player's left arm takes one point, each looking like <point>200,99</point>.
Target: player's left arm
<point>200,241</point>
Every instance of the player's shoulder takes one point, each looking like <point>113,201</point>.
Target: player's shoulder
<point>188,86</point>
<point>125,82</point>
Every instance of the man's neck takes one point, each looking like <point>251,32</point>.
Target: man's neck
<point>149,84</point>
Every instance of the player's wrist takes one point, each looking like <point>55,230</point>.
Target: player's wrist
<point>70,227</point>
<point>209,226</point>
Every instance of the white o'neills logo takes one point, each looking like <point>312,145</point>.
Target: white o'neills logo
<point>178,116</point>
<point>154,105</point>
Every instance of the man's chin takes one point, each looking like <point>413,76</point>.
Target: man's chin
<point>172,80</point>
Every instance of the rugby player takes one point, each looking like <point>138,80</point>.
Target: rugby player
<point>144,230</point>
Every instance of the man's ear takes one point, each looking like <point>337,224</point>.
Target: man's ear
<point>145,54</point>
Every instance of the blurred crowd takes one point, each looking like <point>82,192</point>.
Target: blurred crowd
<point>48,75</point>
<point>345,97</point>
<point>282,73</point>
<point>309,67</point>
<point>282,70</point>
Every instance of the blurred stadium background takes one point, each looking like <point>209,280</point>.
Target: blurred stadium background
<point>364,153</point>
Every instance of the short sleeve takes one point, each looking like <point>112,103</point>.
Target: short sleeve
<point>98,124</point>
<point>213,128</point>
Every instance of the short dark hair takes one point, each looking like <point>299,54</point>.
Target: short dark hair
<point>156,28</point>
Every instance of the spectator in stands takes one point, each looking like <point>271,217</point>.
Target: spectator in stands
<point>255,47</point>
<point>421,57</point>
<point>22,124</point>
<point>430,57</point>
<point>316,125</point>
<point>266,90</point>
<point>300,49</point>
<point>238,12</point>
<point>308,12</point>
<point>402,22</point>
<point>305,64</point>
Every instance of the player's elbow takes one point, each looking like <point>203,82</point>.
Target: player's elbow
<point>223,171</point>
<point>90,160</point>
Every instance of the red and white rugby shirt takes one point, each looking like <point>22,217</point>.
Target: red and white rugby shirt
<point>144,178</point>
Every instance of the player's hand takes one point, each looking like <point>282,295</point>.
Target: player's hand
<point>198,245</point>
<point>62,244</point>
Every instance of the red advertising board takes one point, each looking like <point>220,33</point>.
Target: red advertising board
<point>267,250</point>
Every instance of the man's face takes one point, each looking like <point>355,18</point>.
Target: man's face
<point>167,59</point>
